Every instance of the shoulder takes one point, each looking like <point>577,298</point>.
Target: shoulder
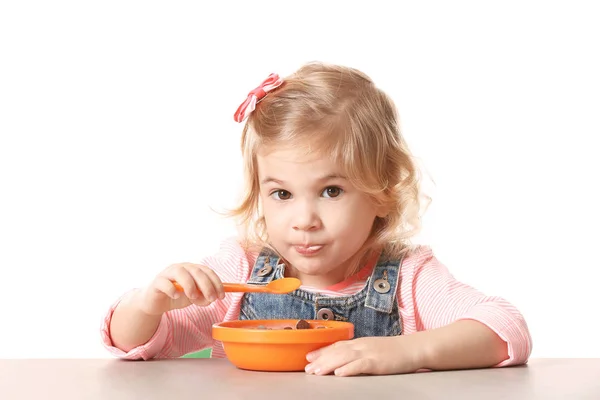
<point>419,260</point>
<point>233,260</point>
<point>417,255</point>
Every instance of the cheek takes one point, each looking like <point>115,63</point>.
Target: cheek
<point>351,227</point>
<point>351,220</point>
<point>273,216</point>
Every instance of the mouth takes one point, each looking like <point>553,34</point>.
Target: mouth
<point>308,249</point>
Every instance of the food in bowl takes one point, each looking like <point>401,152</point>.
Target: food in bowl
<point>270,345</point>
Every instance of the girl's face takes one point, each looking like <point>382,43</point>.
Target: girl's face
<point>314,217</point>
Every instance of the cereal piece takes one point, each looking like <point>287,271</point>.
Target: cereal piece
<point>288,327</point>
<point>302,324</point>
<point>321,327</point>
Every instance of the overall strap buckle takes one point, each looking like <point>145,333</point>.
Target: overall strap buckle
<point>264,268</point>
<point>383,285</point>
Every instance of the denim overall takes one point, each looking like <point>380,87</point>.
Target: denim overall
<point>373,310</point>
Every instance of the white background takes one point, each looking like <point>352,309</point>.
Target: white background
<point>117,139</point>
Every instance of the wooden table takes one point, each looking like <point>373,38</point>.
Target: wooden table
<point>565,379</point>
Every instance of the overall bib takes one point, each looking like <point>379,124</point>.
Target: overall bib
<point>373,310</point>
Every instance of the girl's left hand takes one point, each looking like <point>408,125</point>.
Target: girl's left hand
<point>369,355</point>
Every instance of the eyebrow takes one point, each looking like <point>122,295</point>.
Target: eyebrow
<point>269,179</point>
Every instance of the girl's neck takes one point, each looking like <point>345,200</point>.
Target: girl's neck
<point>316,281</point>
<point>351,268</point>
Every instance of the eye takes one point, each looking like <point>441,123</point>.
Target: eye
<point>332,191</point>
<point>281,195</point>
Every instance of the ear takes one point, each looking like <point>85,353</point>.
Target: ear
<point>381,212</point>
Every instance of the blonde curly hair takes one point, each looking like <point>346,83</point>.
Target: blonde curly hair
<point>337,112</point>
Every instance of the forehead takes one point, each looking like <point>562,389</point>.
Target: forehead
<point>277,163</point>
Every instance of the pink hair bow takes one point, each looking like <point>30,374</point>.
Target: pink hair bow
<point>272,81</point>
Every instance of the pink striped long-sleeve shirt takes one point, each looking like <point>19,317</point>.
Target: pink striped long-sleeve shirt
<point>428,297</point>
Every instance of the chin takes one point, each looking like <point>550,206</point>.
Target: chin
<point>312,266</point>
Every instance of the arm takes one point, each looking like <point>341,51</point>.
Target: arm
<point>447,324</point>
<point>460,327</point>
<point>129,326</point>
<point>463,344</point>
<point>138,335</point>
<point>141,336</point>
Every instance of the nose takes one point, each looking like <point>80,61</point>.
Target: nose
<point>306,217</point>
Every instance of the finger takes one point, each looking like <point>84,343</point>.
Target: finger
<point>330,361</point>
<point>216,281</point>
<point>164,285</point>
<point>356,367</point>
<point>186,281</point>
<point>203,282</point>
<point>314,355</point>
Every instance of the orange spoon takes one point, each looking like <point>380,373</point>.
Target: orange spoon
<point>278,286</point>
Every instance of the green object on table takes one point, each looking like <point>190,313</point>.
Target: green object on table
<point>206,353</point>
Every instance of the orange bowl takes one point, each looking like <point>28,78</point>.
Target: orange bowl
<point>271,347</point>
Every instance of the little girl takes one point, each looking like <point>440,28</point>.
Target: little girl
<point>332,199</point>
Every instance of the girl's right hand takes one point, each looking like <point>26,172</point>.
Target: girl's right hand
<point>201,286</point>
